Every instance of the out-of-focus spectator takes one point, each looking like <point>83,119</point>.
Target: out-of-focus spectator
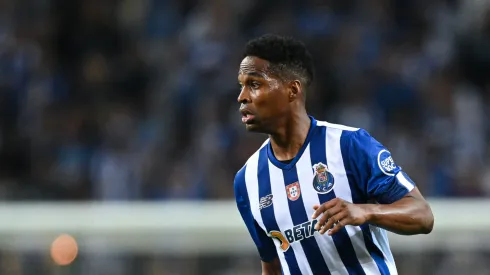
<point>136,100</point>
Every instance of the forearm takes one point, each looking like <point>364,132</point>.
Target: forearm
<point>408,216</point>
<point>271,268</point>
<point>271,272</point>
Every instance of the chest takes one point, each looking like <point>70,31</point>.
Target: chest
<point>287,197</point>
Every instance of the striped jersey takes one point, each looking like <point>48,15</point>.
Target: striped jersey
<point>276,200</point>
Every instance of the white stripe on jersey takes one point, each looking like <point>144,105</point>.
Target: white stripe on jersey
<point>283,218</point>
<point>342,190</point>
<point>401,178</point>
<point>380,238</point>
<point>336,126</point>
<point>253,194</point>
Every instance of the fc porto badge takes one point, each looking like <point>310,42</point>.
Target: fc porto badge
<point>323,180</point>
<point>293,191</point>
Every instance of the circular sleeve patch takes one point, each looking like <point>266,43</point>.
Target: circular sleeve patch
<point>386,163</point>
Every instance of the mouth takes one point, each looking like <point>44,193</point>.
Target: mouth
<point>247,116</point>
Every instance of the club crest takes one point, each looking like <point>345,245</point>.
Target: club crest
<point>323,180</point>
<point>293,191</point>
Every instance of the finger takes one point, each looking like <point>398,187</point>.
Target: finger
<point>315,207</point>
<point>332,222</point>
<point>329,204</point>
<point>318,211</point>
<point>340,224</point>
<point>322,220</point>
<point>327,215</point>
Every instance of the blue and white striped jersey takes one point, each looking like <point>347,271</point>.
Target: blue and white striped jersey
<point>276,199</point>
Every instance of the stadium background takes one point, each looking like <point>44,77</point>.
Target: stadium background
<point>132,101</point>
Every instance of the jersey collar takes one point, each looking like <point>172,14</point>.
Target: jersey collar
<point>287,166</point>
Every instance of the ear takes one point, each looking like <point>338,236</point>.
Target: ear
<point>295,90</point>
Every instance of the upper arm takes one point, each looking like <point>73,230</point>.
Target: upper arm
<point>373,169</point>
<point>416,196</point>
<point>264,243</point>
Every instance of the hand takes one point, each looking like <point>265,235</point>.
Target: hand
<point>339,213</point>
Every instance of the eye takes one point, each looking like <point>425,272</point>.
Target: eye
<point>255,84</point>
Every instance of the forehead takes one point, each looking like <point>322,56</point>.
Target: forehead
<point>253,65</point>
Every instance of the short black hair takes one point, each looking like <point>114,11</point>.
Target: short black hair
<point>287,56</point>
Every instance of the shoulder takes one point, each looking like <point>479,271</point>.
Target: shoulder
<point>254,157</point>
<point>338,127</point>
<point>356,144</point>
<point>240,175</point>
<point>351,138</point>
<point>344,132</point>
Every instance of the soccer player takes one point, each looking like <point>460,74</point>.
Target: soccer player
<point>316,197</point>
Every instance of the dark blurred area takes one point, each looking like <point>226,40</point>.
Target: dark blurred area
<point>136,100</point>
<point>131,100</point>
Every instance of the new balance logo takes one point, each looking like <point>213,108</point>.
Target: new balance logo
<point>265,202</point>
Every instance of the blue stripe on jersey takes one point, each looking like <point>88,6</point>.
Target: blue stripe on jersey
<point>341,239</point>
<point>265,246</point>
<point>299,216</point>
<point>267,213</point>
<point>373,250</point>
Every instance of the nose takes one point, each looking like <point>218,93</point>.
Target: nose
<point>244,96</point>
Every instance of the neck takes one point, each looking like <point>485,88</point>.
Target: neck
<point>287,141</point>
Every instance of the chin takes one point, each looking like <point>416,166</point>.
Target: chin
<point>253,128</point>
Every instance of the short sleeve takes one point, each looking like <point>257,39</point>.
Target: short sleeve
<point>373,169</point>
<point>264,243</point>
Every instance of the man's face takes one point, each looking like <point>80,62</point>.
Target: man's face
<point>263,96</point>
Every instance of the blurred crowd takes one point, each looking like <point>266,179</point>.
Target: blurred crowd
<point>136,99</point>
<point>129,100</point>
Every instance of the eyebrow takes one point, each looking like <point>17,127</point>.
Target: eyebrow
<point>254,74</point>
